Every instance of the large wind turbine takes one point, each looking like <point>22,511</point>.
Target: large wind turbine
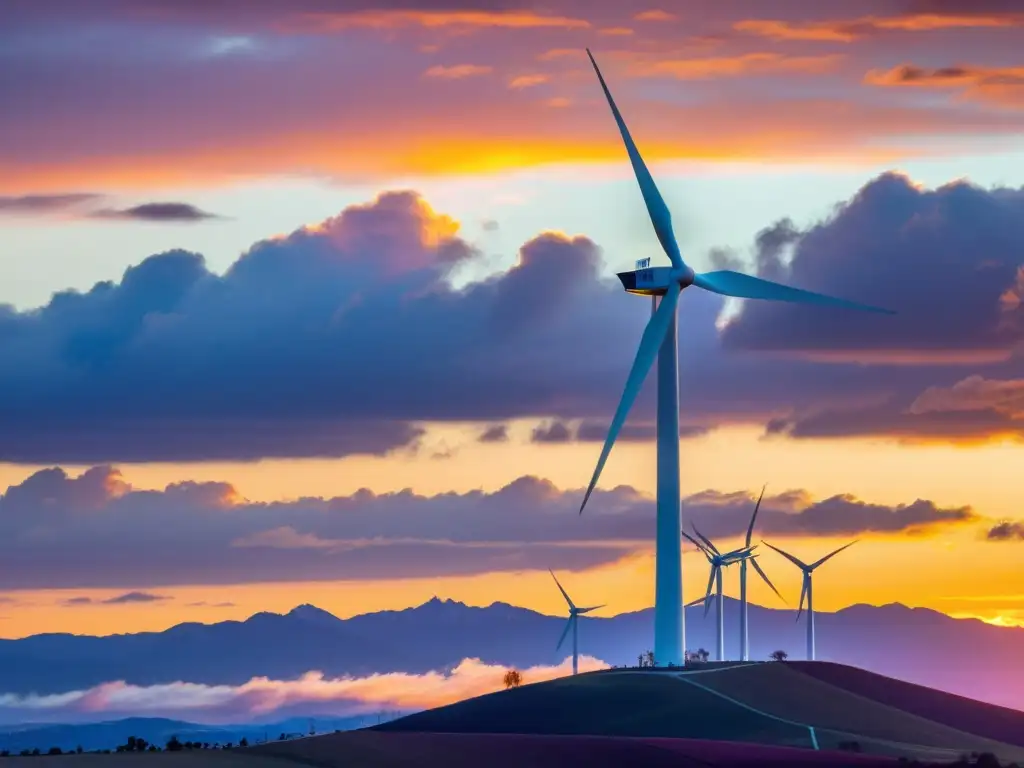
<point>664,285</point>
<point>807,590</point>
<point>744,626</point>
<point>717,561</point>
<point>574,614</point>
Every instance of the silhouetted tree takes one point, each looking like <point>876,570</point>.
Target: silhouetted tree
<point>35,751</point>
<point>650,658</point>
<point>512,679</point>
<point>283,737</point>
<point>5,753</point>
<point>779,656</point>
<point>153,748</point>
<point>79,750</point>
<point>26,752</point>
<point>243,742</point>
<point>55,751</point>
<point>173,745</point>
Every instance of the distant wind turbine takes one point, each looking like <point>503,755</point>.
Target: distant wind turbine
<point>574,614</point>
<point>744,626</point>
<point>717,561</point>
<point>807,590</point>
<point>663,285</point>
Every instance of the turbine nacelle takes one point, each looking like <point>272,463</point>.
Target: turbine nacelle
<point>646,280</point>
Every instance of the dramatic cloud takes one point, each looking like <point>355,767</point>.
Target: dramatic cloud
<point>1006,531</point>
<point>273,358</point>
<point>149,63</point>
<point>161,212</point>
<point>61,528</point>
<point>262,697</point>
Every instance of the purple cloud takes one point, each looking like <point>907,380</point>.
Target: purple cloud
<point>156,212</point>
<point>60,528</point>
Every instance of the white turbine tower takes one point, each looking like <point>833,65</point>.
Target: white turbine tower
<point>664,285</point>
<point>744,626</point>
<point>574,614</point>
<point>718,561</point>
<point>807,590</point>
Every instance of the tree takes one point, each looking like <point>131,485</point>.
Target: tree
<point>55,751</point>
<point>513,679</point>
<point>650,658</point>
<point>79,750</point>
<point>779,656</point>
<point>173,745</point>
<point>243,742</point>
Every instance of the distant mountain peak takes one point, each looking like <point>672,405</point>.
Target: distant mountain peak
<point>309,612</point>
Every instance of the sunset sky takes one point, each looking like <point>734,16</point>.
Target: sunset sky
<point>312,301</point>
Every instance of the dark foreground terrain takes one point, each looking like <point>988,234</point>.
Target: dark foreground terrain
<point>731,716</point>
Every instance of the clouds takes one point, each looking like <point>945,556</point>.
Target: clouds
<point>77,204</point>
<point>161,212</point>
<point>313,693</point>
<point>64,530</point>
<point>127,598</point>
<point>1007,530</point>
<point>289,113</point>
<point>346,337</point>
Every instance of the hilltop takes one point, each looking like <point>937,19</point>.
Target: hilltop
<point>765,703</point>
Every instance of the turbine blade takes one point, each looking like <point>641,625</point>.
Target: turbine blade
<point>646,354</point>
<point>711,586</point>
<point>656,208</point>
<point>705,539</point>
<point>798,563</point>
<point>742,552</point>
<point>763,575</point>
<point>588,610</point>
<point>565,632</point>
<point>832,554</point>
<point>803,594</point>
<point>695,543</point>
<point>692,603</point>
<point>564,593</point>
<point>750,528</point>
<point>729,283</point>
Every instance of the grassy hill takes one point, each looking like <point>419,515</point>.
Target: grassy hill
<point>760,703</point>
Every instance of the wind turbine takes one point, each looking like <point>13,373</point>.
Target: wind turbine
<point>744,626</point>
<point>664,284</point>
<point>574,614</point>
<point>717,561</point>
<point>807,589</point>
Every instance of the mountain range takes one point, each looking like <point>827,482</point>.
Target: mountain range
<point>963,656</point>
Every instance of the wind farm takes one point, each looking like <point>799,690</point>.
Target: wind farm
<point>316,358</point>
<point>660,342</point>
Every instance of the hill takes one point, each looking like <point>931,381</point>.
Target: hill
<point>762,703</point>
<point>460,750</point>
<point>913,644</point>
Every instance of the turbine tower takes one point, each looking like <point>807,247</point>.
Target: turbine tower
<point>744,625</point>
<point>807,590</point>
<point>717,561</point>
<point>574,614</point>
<point>664,285</point>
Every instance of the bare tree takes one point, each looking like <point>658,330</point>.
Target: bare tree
<point>779,656</point>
